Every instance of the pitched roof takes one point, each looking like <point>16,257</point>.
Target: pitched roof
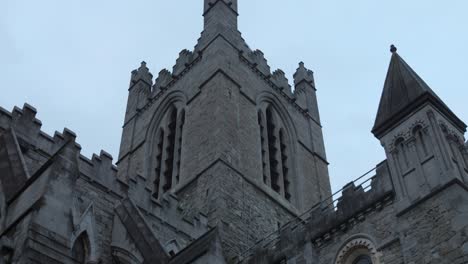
<point>404,91</point>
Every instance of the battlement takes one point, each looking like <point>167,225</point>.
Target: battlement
<point>278,81</point>
<point>28,128</point>
<point>167,210</point>
<point>329,217</point>
<point>99,171</point>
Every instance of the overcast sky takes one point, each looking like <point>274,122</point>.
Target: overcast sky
<point>72,59</point>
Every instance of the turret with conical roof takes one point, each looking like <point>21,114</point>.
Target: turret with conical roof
<point>404,92</point>
<point>422,137</point>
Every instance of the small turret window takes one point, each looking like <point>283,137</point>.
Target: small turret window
<point>401,154</point>
<point>421,141</point>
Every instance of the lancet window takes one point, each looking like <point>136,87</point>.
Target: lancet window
<point>421,142</point>
<point>401,154</point>
<point>275,152</point>
<point>167,151</point>
<point>80,249</point>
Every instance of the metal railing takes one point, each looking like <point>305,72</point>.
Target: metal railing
<point>332,200</point>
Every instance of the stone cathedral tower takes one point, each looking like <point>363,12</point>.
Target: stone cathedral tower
<point>226,135</point>
<point>221,161</point>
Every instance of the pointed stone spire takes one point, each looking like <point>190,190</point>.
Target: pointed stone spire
<point>220,14</point>
<point>404,91</point>
<point>210,3</point>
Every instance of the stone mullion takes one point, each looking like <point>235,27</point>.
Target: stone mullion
<point>177,155</point>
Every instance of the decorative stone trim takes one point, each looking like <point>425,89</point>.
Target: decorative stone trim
<point>407,133</point>
<point>357,247</point>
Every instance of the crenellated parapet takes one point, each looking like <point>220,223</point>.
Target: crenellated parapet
<point>184,60</point>
<point>279,78</point>
<point>28,130</point>
<point>101,171</point>
<point>326,219</point>
<point>260,62</point>
<point>278,82</point>
<point>163,80</point>
<point>166,211</point>
<point>37,147</point>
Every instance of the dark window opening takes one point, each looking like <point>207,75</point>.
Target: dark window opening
<point>81,248</point>
<point>284,161</point>
<point>273,151</point>
<point>158,163</point>
<point>179,149</point>
<point>7,255</point>
<point>362,260</point>
<point>262,143</point>
<point>170,150</point>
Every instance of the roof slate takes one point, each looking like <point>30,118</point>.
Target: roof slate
<point>403,92</point>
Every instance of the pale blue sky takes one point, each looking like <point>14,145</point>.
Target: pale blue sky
<point>71,59</point>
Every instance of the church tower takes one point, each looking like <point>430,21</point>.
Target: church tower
<point>225,135</point>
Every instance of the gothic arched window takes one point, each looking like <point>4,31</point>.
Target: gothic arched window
<point>167,151</point>
<point>80,249</point>
<point>421,142</point>
<point>275,152</point>
<point>401,154</point>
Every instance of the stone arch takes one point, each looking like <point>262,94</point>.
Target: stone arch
<point>123,256</point>
<point>175,102</point>
<point>268,97</point>
<point>356,248</point>
<point>84,235</point>
<point>81,249</point>
<point>271,109</point>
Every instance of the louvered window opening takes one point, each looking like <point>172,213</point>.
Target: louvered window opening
<point>168,152</point>
<point>274,149</point>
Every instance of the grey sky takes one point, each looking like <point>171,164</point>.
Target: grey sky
<point>71,59</point>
